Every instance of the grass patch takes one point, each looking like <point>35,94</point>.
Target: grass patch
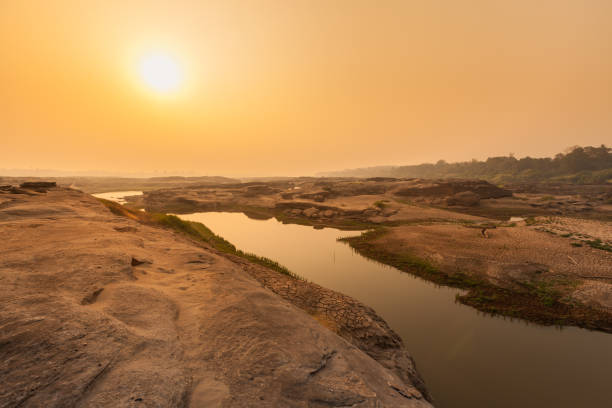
<point>576,244</point>
<point>545,291</point>
<point>197,231</point>
<point>598,244</point>
<point>540,301</point>
<point>406,261</point>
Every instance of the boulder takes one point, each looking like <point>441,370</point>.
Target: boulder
<point>387,212</point>
<point>310,212</point>
<point>262,189</point>
<point>38,184</point>
<point>369,212</point>
<point>465,198</point>
<point>287,196</point>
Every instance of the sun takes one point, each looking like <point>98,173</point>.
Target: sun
<point>161,72</point>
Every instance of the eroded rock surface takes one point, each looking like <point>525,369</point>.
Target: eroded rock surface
<point>101,311</point>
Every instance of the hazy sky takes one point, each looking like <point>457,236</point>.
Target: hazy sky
<point>295,87</point>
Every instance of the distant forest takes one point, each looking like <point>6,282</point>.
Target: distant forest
<point>582,165</point>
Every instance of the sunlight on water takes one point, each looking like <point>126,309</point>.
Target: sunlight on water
<point>117,196</point>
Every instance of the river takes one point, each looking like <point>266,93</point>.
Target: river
<point>466,358</point>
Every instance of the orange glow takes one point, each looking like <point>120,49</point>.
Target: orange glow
<point>274,87</point>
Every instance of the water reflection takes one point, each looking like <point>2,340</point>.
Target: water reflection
<point>468,359</point>
<point>117,196</point>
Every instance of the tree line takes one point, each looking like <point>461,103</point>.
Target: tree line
<point>584,165</point>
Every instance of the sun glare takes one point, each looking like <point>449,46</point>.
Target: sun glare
<point>161,72</point>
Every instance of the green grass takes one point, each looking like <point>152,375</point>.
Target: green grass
<point>406,261</point>
<point>201,232</point>
<point>544,291</point>
<point>597,244</point>
<point>197,231</point>
<point>539,301</point>
<point>480,297</point>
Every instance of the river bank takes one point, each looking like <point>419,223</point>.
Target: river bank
<point>455,346</point>
<point>549,269</point>
<point>524,292</point>
<point>124,312</point>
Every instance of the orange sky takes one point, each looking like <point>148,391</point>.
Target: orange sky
<point>295,87</point>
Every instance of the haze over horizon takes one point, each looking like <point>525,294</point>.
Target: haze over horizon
<point>264,88</point>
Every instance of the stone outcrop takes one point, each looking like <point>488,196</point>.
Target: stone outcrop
<point>357,323</point>
<point>465,198</point>
<point>99,310</point>
<point>310,212</point>
<point>445,188</point>
<point>38,184</point>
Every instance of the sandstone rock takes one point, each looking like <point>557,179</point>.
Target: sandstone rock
<point>319,196</point>
<point>369,212</point>
<point>38,184</point>
<point>387,212</point>
<point>107,339</point>
<point>296,211</point>
<point>311,212</point>
<point>465,198</point>
<point>442,188</point>
<point>263,189</point>
<point>186,200</point>
<point>328,213</point>
<point>17,190</point>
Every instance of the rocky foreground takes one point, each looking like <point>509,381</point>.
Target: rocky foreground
<point>99,310</point>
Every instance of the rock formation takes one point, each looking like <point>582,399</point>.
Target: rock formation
<point>99,310</point>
